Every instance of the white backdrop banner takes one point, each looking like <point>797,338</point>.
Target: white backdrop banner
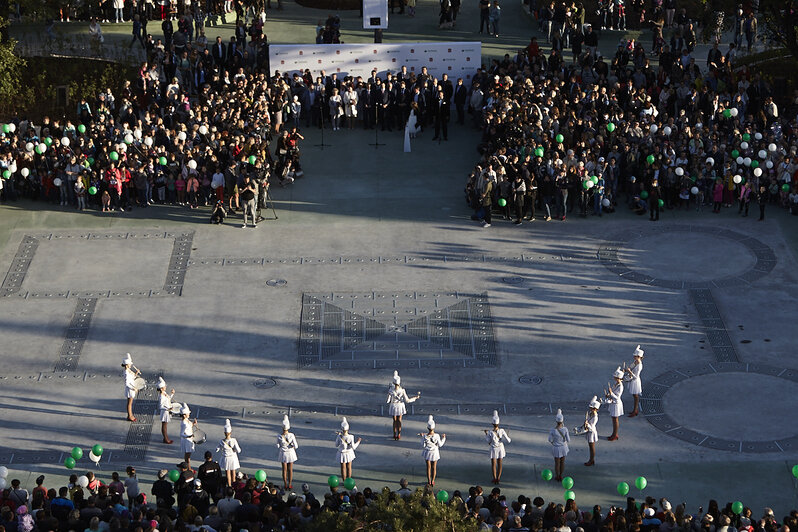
<point>458,59</point>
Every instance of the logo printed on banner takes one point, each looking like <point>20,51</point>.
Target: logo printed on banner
<point>301,52</point>
<point>412,50</point>
<point>375,51</point>
<point>338,52</point>
<point>450,50</point>
<point>431,60</point>
<point>283,62</point>
<point>319,61</point>
<point>468,59</point>
<point>357,60</point>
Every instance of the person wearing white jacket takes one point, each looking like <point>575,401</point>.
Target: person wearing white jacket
<point>229,449</point>
<point>590,425</point>
<point>397,397</point>
<point>431,444</point>
<point>635,383</point>
<point>614,394</point>
<point>494,438</point>
<point>165,406</point>
<point>287,446</point>
<point>346,445</point>
<point>559,438</point>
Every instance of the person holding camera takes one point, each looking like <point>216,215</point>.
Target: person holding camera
<point>248,195</point>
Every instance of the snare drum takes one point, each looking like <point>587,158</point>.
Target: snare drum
<point>199,436</point>
<point>139,383</point>
<point>175,409</point>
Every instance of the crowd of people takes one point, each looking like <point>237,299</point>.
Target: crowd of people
<point>202,501</point>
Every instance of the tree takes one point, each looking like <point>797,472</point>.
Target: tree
<point>780,23</point>
<point>11,67</point>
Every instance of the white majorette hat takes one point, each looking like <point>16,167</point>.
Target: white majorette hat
<point>161,383</point>
<point>594,403</point>
<point>185,410</point>
<point>431,423</point>
<point>558,418</point>
<point>396,378</point>
<point>286,423</point>
<point>618,373</point>
<point>344,424</point>
<point>128,361</point>
<point>495,417</point>
<point>638,352</point>
<point>228,428</point>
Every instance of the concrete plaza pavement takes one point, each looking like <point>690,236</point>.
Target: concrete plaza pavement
<point>375,264</point>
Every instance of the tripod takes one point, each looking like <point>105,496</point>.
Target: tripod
<point>268,203</point>
<point>377,142</point>
<point>322,145</point>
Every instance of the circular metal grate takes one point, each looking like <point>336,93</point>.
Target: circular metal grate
<point>530,379</point>
<point>263,384</point>
<point>276,282</point>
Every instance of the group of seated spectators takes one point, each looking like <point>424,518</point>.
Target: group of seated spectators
<point>202,502</point>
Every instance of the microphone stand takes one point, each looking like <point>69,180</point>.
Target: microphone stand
<point>322,145</point>
<point>377,142</point>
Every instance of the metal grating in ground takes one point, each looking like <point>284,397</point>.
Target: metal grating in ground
<point>144,406</point>
<point>76,334</point>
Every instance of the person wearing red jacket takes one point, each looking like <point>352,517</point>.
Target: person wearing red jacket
<point>113,178</point>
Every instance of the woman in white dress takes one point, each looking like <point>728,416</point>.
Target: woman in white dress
<point>165,406</point>
<point>336,109</point>
<point>590,426</point>
<point>614,394</point>
<point>187,434</point>
<point>286,455</point>
<point>350,106</point>
<point>635,384</point>
<point>431,444</point>
<point>346,444</point>
<point>130,384</point>
<point>397,397</point>
<point>559,438</point>
<point>494,438</point>
<point>229,449</point>
<point>412,120</point>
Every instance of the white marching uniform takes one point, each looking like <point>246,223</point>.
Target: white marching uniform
<point>165,405</point>
<point>286,448</point>
<point>592,432</point>
<point>186,436</point>
<point>346,448</point>
<point>230,450</point>
<point>431,444</point>
<point>130,383</point>
<point>559,438</point>
<point>494,438</point>
<point>635,385</point>
<point>397,397</point>
<point>616,405</point>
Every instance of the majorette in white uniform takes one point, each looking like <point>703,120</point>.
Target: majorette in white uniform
<point>286,444</point>
<point>186,431</point>
<point>559,438</point>
<point>592,420</point>
<point>229,449</point>
<point>130,377</point>
<point>494,438</point>
<point>615,392</point>
<point>164,401</point>
<point>431,443</point>
<point>635,384</point>
<point>397,397</point>
<point>346,444</point>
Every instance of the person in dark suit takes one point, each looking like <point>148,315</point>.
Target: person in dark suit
<point>219,52</point>
<point>420,100</point>
<point>448,88</point>
<point>460,98</point>
<point>402,98</point>
<point>441,111</point>
<point>387,107</point>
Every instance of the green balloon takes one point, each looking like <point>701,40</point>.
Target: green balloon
<point>97,449</point>
<point>162,161</point>
<point>91,160</point>
<point>81,128</point>
<point>260,475</point>
<point>174,475</point>
<point>77,453</point>
<point>727,113</point>
<point>333,481</point>
<point>6,174</point>
<point>6,128</point>
<point>754,164</point>
<point>113,156</point>
<point>737,507</point>
<point>641,483</point>
<point>48,141</point>
<point>252,159</point>
<point>547,475</point>
<point>795,467</point>
<point>594,179</point>
<point>559,138</point>
<point>650,159</point>
<point>441,496</point>
<point>644,195</point>
<point>502,202</point>
<point>538,152</point>
<point>86,164</point>
<point>610,127</point>
<point>349,483</point>
<point>569,496</point>
<point>786,188</point>
<point>735,154</point>
<point>746,137</point>
<point>623,488</point>
<point>661,203</point>
<point>92,191</point>
<point>567,483</point>
<point>39,149</point>
<point>69,463</point>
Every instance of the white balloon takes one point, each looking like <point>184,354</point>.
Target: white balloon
<point>694,191</point>
<point>605,202</point>
<point>29,147</point>
<point>13,167</point>
<point>12,127</point>
<point>757,172</point>
<point>699,125</point>
<point>679,171</point>
<point>3,483</point>
<point>744,145</point>
<point>3,471</point>
<point>589,184</point>
<point>65,141</point>
<point>632,179</point>
<point>137,133</point>
<point>182,135</point>
<point>772,147</point>
<point>667,131</point>
<point>203,129</point>
<point>83,481</point>
<point>769,164</point>
<point>738,179</point>
<point>758,136</point>
<point>747,161</point>
<point>94,458</point>
<point>122,148</point>
<point>734,111</point>
<point>192,164</point>
<point>25,172</point>
<point>57,181</point>
<point>653,128</point>
<point>128,139</point>
<point>763,154</point>
<point>42,147</point>
<point>148,141</point>
<point>739,160</point>
<point>710,161</point>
